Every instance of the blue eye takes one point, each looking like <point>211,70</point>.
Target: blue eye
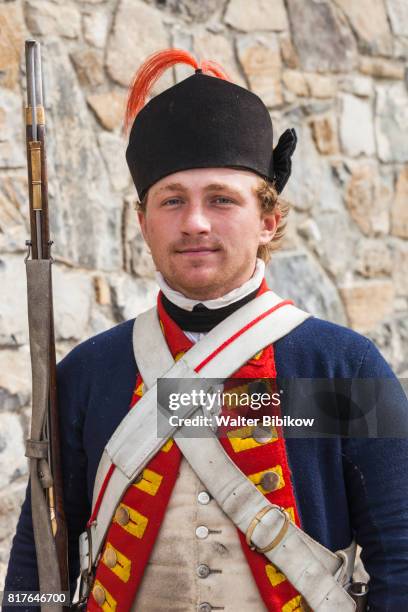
<point>171,200</point>
<point>222,198</point>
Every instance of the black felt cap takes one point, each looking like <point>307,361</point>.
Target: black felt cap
<point>206,122</point>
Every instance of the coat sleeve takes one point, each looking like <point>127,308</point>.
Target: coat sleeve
<point>22,571</point>
<point>376,470</point>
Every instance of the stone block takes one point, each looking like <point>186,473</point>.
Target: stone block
<point>102,290</point>
<point>373,258</point>
<point>332,47</point>
<point>288,52</point>
<point>368,303</point>
<point>256,15</point>
<point>109,108</point>
<point>14,213</point>
<point>72,303</point>
<point>190,11</point>
<point>131,296</point>
<point>298,277</point>
<point>13,463</point>
<point>391,122</point>
<point>15,378</point>
<point>338,241</point>
<point>12,147</point>
<point>401,47</point>
<point>89,67</point>
<point>399,210</point>
<point>356,126</point>
<point>382,68</point>
<point>321,86</point>
<point>368,19</point>
<point>183,38</point>
<point>47,19</point>
<point>398,14</point>
<point>310,231</point>
<point>312,183</point>
<point>11,500</point>
<point>400,267</point>
<point>324,131</point>
<point>261,61</point>
<point>217,47</point>
<point>12,35</point>
<point>95,27</point>
<point>295,81</point>
<point>101,319</point>
<point>113,149</point>
<point>368,198</point>
<point>13,309</point>
<point>361,86</point>
<point>125,52</point>
<point>290,239</point>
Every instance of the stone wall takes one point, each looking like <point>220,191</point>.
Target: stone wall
<point>336,70</point>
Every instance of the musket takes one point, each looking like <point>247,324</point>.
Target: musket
<point>43,447</point>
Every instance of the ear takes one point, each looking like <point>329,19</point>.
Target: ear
<point>269,225</point>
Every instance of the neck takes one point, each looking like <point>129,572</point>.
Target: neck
<point>187,303</point>
<point>194,316</point>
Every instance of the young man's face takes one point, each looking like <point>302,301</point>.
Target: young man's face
<point>204,227</point>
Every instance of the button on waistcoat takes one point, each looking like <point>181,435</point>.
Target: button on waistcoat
<point>197,559</point>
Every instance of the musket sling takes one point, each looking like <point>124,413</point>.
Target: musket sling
<point>39,319</point>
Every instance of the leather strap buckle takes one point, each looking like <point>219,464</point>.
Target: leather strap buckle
<point>257,519</point>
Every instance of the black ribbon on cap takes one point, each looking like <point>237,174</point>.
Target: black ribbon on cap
<point>282,154</point>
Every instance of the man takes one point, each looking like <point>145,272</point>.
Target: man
<point>208,180</point>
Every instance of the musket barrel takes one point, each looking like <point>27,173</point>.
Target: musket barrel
<point>31,86</point>
<point>38,75</point>
<point>34,103</point>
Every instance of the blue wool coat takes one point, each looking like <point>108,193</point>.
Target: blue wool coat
<point>344,487</point>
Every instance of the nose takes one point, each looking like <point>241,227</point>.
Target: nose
<point>194,219</point>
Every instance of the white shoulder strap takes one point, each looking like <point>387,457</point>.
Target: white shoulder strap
<point>268,320</point>
<point>219,354</point>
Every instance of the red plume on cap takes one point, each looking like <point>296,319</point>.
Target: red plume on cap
<point>153,68</point>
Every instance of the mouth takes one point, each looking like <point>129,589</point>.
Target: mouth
<point>197,251</point>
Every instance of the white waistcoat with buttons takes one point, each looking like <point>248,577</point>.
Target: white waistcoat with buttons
<point>197,562</point>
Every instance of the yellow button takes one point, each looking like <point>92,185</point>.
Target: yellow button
<point>270,481</point>
<point>99,595</point>
<point>122,515</point>
<point>110,557</point>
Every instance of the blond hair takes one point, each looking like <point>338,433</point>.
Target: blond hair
<point>270,201</point>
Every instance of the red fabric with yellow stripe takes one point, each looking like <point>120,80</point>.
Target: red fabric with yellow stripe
<point>133,531</point>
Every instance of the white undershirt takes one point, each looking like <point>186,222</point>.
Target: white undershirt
<point>236,294</point>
